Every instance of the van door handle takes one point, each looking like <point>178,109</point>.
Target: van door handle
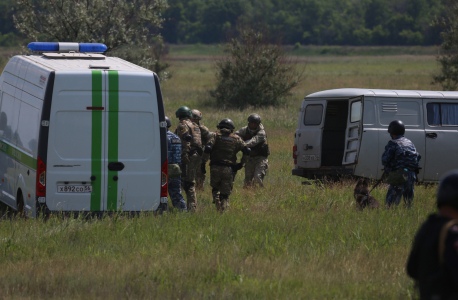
<point>115,166</point>
<point>431,135</point>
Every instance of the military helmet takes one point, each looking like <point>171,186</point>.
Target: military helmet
<point>167,120</point>
<point>196,115</point>
<point>226,123</point>
<point>183,112</point>
<point>396,128</point>
<point>447,192</point>
<point>254,118</point>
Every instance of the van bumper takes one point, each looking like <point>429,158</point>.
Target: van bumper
<point>322,172</point>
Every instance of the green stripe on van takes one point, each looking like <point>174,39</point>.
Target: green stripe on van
<point>18,155</point>
<point>113,118</point>
<point>96,149</point>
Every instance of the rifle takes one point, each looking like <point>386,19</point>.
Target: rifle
<point>378,182</point>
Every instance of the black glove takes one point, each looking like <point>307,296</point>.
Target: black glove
<point>238,166</point>
<point>208,149</point>
<point>202,168</point>
<point>246,150</point>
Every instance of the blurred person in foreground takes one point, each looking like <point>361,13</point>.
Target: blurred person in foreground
<point>255,138</point>
<point>401,161</point>
<point>433,261</point>
<point>174,176</point>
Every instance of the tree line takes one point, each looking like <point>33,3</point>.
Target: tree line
<point>308,22</point>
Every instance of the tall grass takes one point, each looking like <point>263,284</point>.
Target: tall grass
<point>286,241</point>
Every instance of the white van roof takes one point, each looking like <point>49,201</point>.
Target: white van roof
<point>352,92</point>
<point>61,64</point>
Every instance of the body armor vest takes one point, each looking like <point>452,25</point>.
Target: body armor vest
<point>196,141</point>
<point>224,148</point>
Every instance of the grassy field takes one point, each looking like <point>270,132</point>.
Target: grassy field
<point>286,241</point>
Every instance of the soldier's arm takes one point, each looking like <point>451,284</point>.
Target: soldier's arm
<point>242,146</point>
<point>204,132</point>
<point>257,139</point>
<point>183,134</point>
<point>208,148</point>
<point>388,155</point>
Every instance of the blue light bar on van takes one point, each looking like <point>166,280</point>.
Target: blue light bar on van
<point>66,47</point>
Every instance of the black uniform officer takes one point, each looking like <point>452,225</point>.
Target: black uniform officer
<point>433,261</point>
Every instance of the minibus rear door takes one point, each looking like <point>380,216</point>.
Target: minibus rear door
<point>354,131</point>
<point>309,134</point>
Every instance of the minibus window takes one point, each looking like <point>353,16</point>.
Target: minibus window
<point>355,112</point>
<point>434,117</point>
<point>449,114</point>
<point>442,114</point>
<point>313,114</point>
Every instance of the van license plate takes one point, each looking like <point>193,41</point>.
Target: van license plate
<point>74,188</point>
<point>310,157</point>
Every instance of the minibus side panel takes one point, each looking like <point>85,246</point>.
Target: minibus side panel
<point>441,137</point>
<point>309,133</point>
<point>409,111</point>
<point>353,131</point>
<point>368,152</point>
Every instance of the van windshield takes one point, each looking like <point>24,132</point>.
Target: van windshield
<point>355,115</point>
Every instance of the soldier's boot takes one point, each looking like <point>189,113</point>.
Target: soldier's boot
<point>191,197</point>
<point>221,203</point>
<point>247,185</point>
<point>215,194</point>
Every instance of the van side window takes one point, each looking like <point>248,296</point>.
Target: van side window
<point>8,114</point>
<point>313,114</point>
<point>442,114</point>
<point>355,115</point>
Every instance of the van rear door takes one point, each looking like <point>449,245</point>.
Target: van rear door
<point>75,170</point>
<point>309,134</point>
<point>133,144</point>
<point>354,131</point>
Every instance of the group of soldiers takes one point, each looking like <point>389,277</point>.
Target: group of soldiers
<point>192,145</point>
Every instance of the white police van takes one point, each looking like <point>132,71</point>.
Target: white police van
<point>80,131</point>
<point>344,131</point>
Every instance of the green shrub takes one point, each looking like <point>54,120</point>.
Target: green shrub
<point>254,73</point>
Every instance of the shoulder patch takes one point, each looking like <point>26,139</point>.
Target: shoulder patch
<point>175,141</point>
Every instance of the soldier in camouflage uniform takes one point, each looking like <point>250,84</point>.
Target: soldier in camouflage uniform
<point>174,159</point>
<point>205,134</point>
<point>223,149</point>
<point>191,153</point>
<point>255,138</point>
<point>400,153</point>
